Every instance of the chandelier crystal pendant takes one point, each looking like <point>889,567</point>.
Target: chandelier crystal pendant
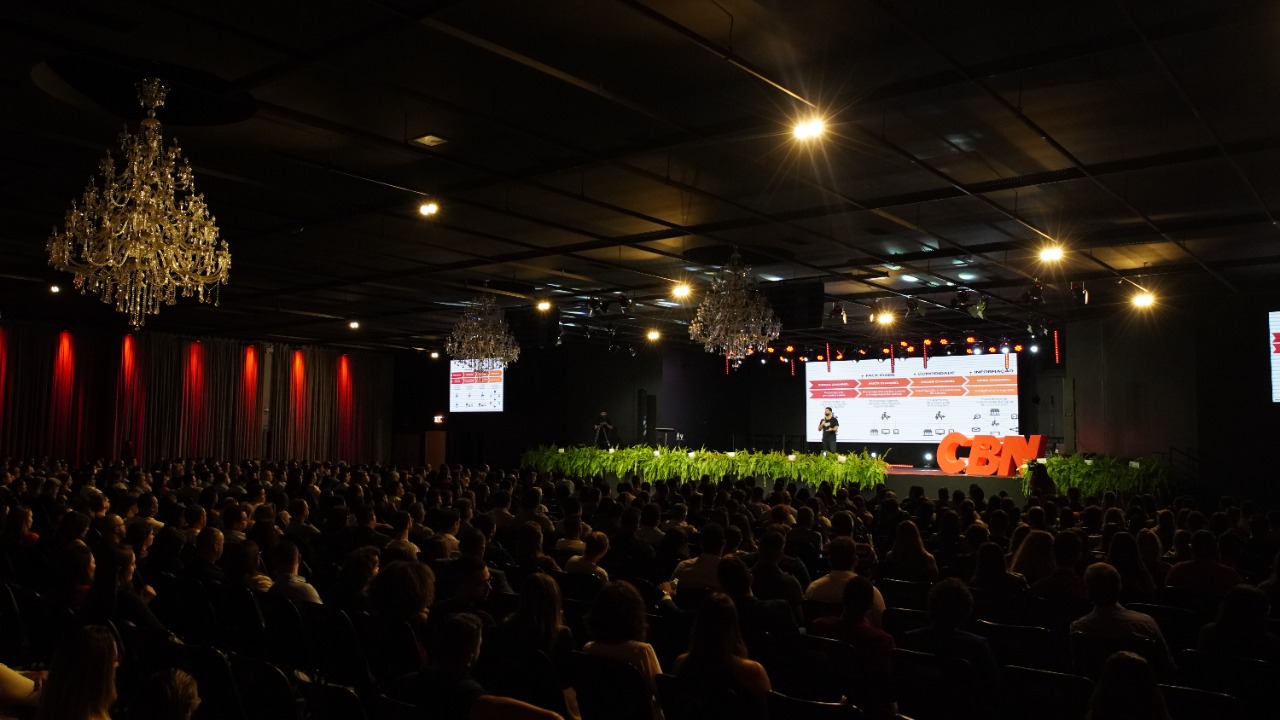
<point>144,236</point>
<point>481,339</point>
<point>734,319</point>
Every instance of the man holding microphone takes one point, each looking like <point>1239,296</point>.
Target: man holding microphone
<point>829,425</point>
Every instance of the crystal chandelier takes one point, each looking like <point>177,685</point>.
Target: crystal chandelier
<point>733,318</point>
<point>145,236</point>
<point>481,338</point>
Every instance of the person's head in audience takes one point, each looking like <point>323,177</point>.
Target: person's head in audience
<point>1127,690</point>
<point>235,519</point>
<point>617,614</point>
<point>674,545</point>
<point>241,563</point>
<point>167,695</point>
<point>715,642</point>
<point>989,568</point>
<point>1243,612</point>
<point>734,577</point>
<point>110,527</point>
<point>538,617</point>
<point>471,541</point>
<point>842,554</point>
<point>403,592</point>
<point>711,539</point>
<point>573,527</point>
<point>209,545</point>
<point>286,559</point>
<point>596,546</point>
<point>139,536</point>
<point>72,528</point>
<point>1204,546</point>
<point>455,644</point>
<point>950,604</point>
<point>1102,584</point>
<point>1034,558</point>
<point>1181,546</point>
<point>858,597</point>
<point>359,568</point>
<point>528,543</point>
<point>194,517</point>
<point>908,546</point>
<point>401,523</point>
<point>651,515</point>
<point>82,679</point>
<point>473,579</point>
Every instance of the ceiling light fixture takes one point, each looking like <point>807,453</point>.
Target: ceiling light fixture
<point>481,338</point>
<point>544,305</point>
<point>733,317</point>
<point>430,140</point>
<point>55,289</point>
<point>910,278</point>
<point>1052,253</point>
<point>885,317</point>
<point>144,236</point>
<point>681,290</point>
<point>809,129</point>
<point>435,355</point>
<point>354,324</point>
<point>653,335</point>
<point>1144,299</point>
<point>429,208</point>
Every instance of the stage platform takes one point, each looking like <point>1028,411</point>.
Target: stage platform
<point>901,479</point>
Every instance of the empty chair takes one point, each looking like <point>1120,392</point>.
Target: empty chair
<point>1090,652</point>
<point>931,686</point>
<point>390,647</point>
<point>610,689</point>
<point>188,611</point>
<point>45,623</point>
<point>1034,694</point>
<point>782,707</point>
<point>689,700</point>
<point>1186,703</point>
<point>1021,645</point>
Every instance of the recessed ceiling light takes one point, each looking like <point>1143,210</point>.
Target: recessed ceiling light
<point>55,289</point>
<point>911,278</point>
<point>544,305</point>
<point>967,276</point>
<point>430,140</point>
<point>809,129</point>
<point>354,324</point>
<point>429,208</point>
<point>653,335</point>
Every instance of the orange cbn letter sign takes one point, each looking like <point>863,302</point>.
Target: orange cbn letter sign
<point>988,455</point>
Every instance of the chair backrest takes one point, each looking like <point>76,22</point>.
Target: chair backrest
<point>1201,601</point>
<point>384,708</point>
<point>46,623</point>
<point>904,593</point>
<point>390,647</point>
<point>1251,681</point>
<point>1035,694</point>
<point>1089,652</point>
<point>240,621</point>
<point>669,635</point>
<point>609,689</point>
<point>331,702</point>
<point>1021,645</point>
<point>933,686</point>
<point>578,586</point>
<point>685,700</point>
<point>219,695</point>
<point>689,598</point>
<point>1180,626</point>
<point>267,692</point>
<point>899,621</point>
<point>287,641</point>
<point>782,707</point>
<point>1186,703</point>
<point>510,669</point>
<point>338,654</point>
<point>813,610</point>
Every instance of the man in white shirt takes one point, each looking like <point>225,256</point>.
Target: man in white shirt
<point>1111,619</point>
<point>842,555</point>
<point>700,572</point>
<point>288,582</point>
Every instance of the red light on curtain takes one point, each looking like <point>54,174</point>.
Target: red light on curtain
<point>298,403</point>
<point>249,402</point>
<point>347,441</point>
<point>62,401</point>
<point>4,374</point>
<point>193,399</point>
<point>892,359</point>
<point>130,401</point>
<point>1057,352</point>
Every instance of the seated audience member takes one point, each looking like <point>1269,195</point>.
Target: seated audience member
<point>842,555</point>
<point>648,531</point>
<point>991,574</point>
<point>446,690</point>
<point>205,567</point>
<point>628,554</point>
<point>538,621</point>
<point>1064,587</point>
<point>950,605</point>
<point>113,597</point>
<point>1241,628</point>
<point>529,555</point>
<point>242,563</point>
<point>471,592</point>
<point>907,559</point>
<point>853,626</point>
<point>769,581</point>
<point>1203,569</point>
<point>1127,690</point>
<point>1034,557</point>
<point>673,551</point>
<point>571,543</point>
<point>168,695</point>
<point>471,541</point>
<point>1136,583</point>
<point>1111,619</point>
<point>717,656</point>
<point>595,548</point>
<point>756,615</point>
<point>71,573</point>
<point>404,592</point>
<point>617,626</point>
<point>288,582</point>
<point>19,691</point>
<point>351,591</point>
<point>401,525</point>
<point>82,679</point>
<point>1152,553</point>
<point>700,572</point>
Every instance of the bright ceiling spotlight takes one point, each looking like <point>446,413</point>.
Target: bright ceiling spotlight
<point>884,317</point>
<point>809,129</point>
<point>1053,253</point>
<point>435,355</point>
<point>681,290</point>
<point>429,208</point>
<point>354,324</point>
<point>653,335</point>
<point>1034,348</point>
<point>55,289</point>
<point>544,305</point>
<point>1144,299</point>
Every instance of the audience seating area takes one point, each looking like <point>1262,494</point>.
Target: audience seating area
<point>976,631</point>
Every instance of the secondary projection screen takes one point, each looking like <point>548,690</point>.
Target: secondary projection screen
<point>1274,318</point>
<point>970,394</point>
<point>474,390</point>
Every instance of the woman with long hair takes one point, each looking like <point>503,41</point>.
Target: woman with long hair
<point>1034,558</point>
<point>242,562</point>
<point>1127,690</point>
<point>538,622</point>
<point>1136,583</point>
<point>991,573</point>
<point>908,559</point>
<point>717,655</point>
<point>617,625</point>
<point>82,679</point>
<point>1241,628</point>
<point>113,597</point>
<point>1152,552</point>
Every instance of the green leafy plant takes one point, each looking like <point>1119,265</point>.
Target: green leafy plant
<point>1102,473</point>
<point>854,470</point>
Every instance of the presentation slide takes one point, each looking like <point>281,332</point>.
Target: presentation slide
<point>970,394</point>
<point>1275,356</point>
<point>474,391</point>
